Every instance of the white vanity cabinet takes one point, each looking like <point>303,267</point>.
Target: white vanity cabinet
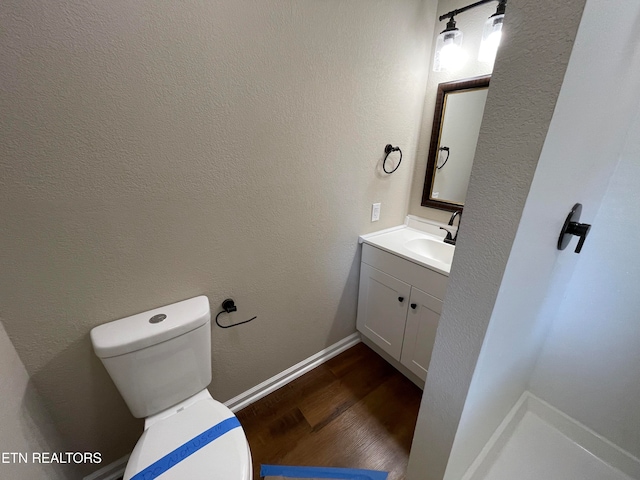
<point>382,309</point>
<point>399,306</point>
<point>420,332</point>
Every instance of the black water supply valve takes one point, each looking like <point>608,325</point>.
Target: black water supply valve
<point>229,306</point>
<point>572,227</point>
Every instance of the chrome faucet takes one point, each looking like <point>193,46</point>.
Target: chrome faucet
<point>452,234</point>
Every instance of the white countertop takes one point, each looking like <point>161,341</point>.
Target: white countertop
<point>394,240</point>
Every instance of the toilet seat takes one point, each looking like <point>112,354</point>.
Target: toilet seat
<point>225,458</point>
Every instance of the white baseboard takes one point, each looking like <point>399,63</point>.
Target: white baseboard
<point>578,433</point>
<point>110,472</point>
<point>116,469</point>
<point>498,439</point>
<point>588,439</point>
<point>289,375</point>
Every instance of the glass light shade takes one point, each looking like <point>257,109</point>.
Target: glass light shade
<point>449,55</point>
<point>491,36</point>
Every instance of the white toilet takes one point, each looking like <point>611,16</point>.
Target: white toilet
<point>160,361</point>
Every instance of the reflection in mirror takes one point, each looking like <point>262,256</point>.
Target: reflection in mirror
<point>456,125</point>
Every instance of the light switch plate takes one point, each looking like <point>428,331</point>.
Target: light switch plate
<point>375,212</point>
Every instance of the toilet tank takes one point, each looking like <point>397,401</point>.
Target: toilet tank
<point>160,357</point>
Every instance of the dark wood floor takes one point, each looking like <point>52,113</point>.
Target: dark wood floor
<point>354,411</point>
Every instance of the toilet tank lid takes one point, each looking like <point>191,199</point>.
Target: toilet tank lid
<point>150,328</point>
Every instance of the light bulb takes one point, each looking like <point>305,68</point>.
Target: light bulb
<point>449,55</point>
<point>491,36</point>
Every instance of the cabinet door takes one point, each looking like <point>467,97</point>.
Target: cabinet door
<point>382,309</point>
<point>420,333</point>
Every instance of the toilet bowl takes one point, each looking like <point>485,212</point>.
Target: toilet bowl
<point>227,457</point>
<point>160,361</point>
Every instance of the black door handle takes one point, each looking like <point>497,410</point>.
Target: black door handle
<point>572,227</point>
<point>401,299</point>
<point>581,230</point>
<point>414,305</point>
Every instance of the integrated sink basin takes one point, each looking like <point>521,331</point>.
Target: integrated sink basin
<point>433,249</point>
<point>419,241</point>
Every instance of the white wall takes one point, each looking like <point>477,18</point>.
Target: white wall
<point>23,420</point>
<point>524,88</point>
<point>590,362</point>
<point>579,156</point>
<point>151,152</point>
<point>471,23</point>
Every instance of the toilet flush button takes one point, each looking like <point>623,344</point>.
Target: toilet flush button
<point>157,318</point>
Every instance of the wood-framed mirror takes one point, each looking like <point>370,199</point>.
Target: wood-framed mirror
<point>456,125</point>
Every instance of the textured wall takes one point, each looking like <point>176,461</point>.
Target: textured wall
<point>25,427</point>
<point>151,152</point>
<point>471,24</point>
<point>528,74</point>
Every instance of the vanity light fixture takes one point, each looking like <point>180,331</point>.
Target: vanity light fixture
<point>449,55</point>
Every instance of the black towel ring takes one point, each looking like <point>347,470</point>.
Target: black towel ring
<point>443,149</point>
<point>388,149</point>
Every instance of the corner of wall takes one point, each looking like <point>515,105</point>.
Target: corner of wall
<point>25,424</point>
<point>471,22</point>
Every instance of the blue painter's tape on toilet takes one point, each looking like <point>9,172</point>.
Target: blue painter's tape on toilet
<point>322,472</point>
<point>187,449</point>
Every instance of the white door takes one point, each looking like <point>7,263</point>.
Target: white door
<point>420,332</point>
<point>382,309</point>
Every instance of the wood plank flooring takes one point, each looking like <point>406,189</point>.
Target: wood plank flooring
<point>354,411</point>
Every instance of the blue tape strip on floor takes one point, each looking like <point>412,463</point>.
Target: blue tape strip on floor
<point>322,472</point>
<point>174,457</point>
